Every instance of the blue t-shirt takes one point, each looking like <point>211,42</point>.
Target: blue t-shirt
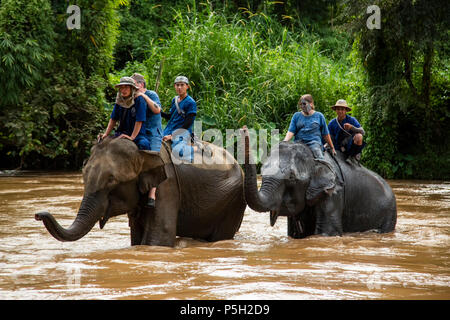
<point>336,132</point>
<point>153,122</point>
<point>308,129</point>
<point>128,117</point>
<point>176,120</point>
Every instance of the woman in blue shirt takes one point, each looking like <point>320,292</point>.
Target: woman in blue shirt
<point>309,126</point>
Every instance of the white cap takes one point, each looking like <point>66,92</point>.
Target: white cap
<point>181,79</point>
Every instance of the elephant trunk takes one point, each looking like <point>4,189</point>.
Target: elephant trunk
<point>91,210</point>
<point>262,200</point>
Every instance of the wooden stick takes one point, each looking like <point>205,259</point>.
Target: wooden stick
<point>158,77</point>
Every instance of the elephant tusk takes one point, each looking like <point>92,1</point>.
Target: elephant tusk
<point>299,226</point>
<point>273,217</point>
<point>102,222</point>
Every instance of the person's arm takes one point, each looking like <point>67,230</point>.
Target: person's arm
<point>289,136</point>
<point>111,125</point>
<point>165,115</point>
<point>137,128</point>
<point>354,126</point>
<point>152,105</point>
<point>292,127</point>
<point>357,130</point>
<point>326,133</point>
<point>327,138</point>
<point>188,121</point>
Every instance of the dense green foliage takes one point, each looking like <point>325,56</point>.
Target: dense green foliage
<point>53,81</point>
<point>249,61</point>
<point>406,103</point>
<point>246,71</point>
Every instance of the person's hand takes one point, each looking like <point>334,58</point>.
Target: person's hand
<point>168,137</point>
<point>348,126</point>
<point>100,137</point>
<point>138,94</point>
<point>124,136</point>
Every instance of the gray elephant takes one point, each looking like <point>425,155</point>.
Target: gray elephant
<point>202,201</point>
<point>319,197</point>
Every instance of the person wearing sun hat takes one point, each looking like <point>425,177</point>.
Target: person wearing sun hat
<point>130,112</point>
<point>346,132</point>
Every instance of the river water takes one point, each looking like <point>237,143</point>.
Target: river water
<point>260,263</point>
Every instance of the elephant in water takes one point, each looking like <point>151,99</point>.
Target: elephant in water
<point>198,200</point>
<point>319,197</point>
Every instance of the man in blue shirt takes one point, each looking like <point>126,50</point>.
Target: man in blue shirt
<point>130,112</point>
<point>346,132</point>
<point>181,116</point>
<point>309,126</point>
<point>153,127</point>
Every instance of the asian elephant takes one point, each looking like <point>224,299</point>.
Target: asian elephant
<point>326,197</point>
<point>203,201</point>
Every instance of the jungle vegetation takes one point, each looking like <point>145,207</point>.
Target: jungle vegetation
<point>248,61</point>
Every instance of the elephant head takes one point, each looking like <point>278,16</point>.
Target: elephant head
<point>112,177</point>
<point>291,180</point>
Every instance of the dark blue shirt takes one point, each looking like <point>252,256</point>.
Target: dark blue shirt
<point>153,122</point>
<point>308,129</point>
<point>176,120</point>
<point>128,117</point>
<point>336,133</point>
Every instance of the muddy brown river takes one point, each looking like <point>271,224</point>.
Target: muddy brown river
<point>260,263</point>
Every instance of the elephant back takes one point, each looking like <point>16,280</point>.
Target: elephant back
<point>165,152</point>
<point>366,194</point>
<point>214,190</point>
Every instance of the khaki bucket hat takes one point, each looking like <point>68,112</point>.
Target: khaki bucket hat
<point>127,81</point>
<point>341,103</point>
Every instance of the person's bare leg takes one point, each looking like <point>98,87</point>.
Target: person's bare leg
<point>151,198</point>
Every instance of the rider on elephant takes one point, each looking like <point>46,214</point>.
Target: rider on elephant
<point>153,126</point>
<point>346,132</point>
<point>310,127</point>
<point>181,118</point>
<point>130,111</point>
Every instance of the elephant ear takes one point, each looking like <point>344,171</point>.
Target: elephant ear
<point>323,182</point>
<point>153,170</point>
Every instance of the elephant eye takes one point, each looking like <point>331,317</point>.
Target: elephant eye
<point>111,179</point>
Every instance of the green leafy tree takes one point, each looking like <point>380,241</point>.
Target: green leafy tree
<point>55,93</point>
<point>406,112</point>
<point>27,45</point>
